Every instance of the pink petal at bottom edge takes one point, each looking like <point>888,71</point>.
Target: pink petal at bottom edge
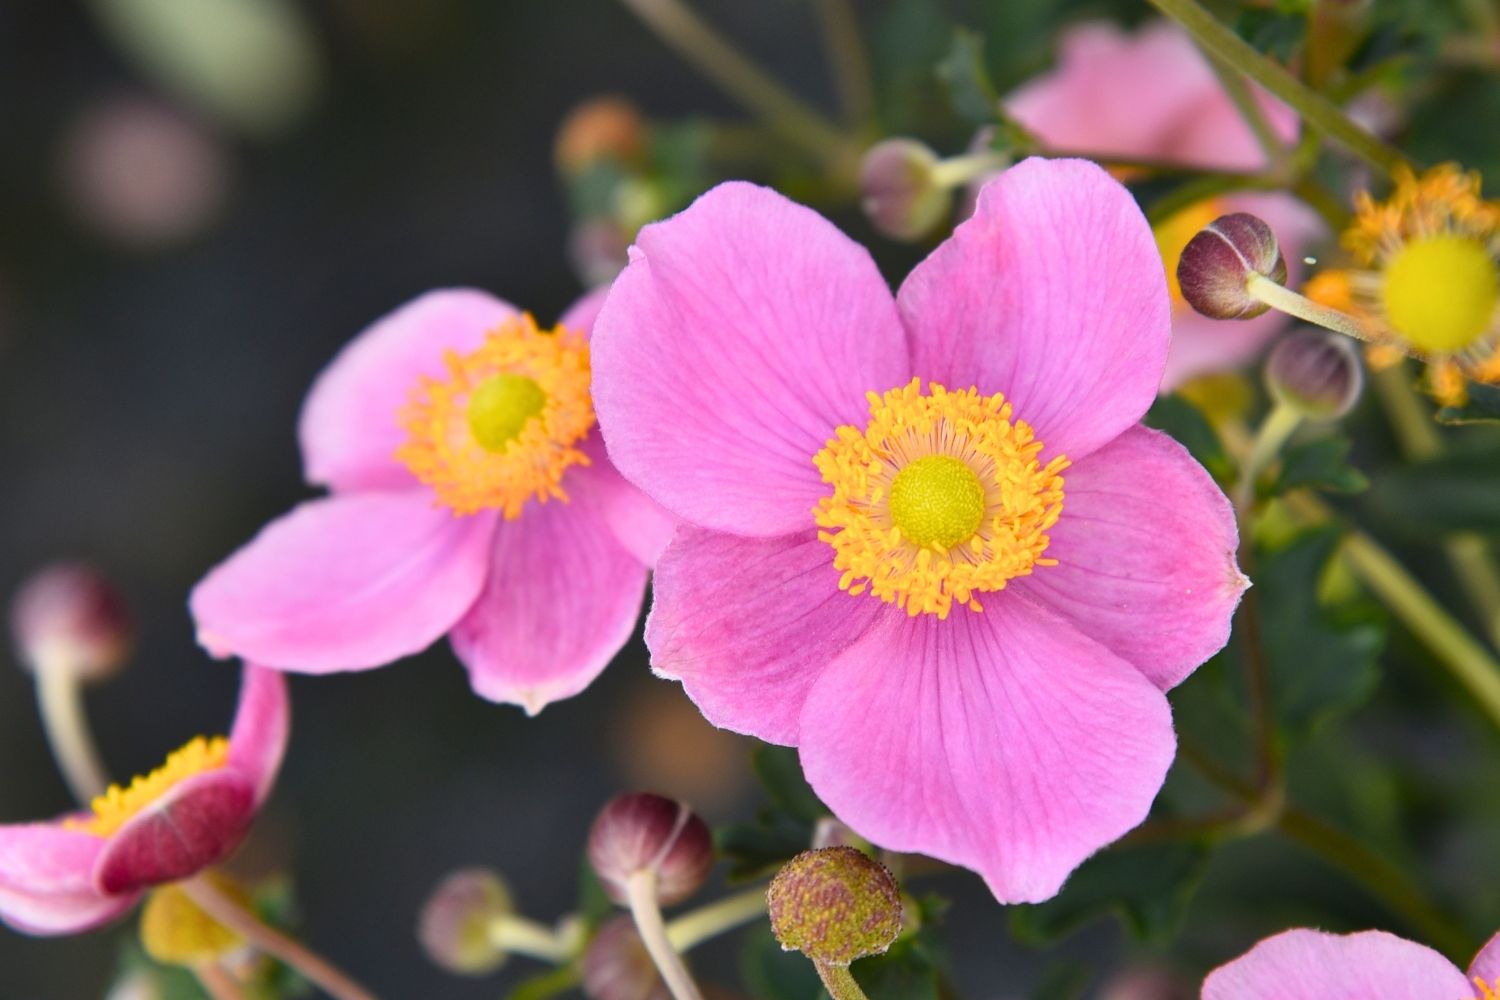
<point>1486,965</point>
<point>1003,741</point>
<point>1314,965</point>
<point>197,823</point>
<point>262,725</point>
<point>46,880</point>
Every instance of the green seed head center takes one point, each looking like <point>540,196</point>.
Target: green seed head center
<point>937,501</point>
<point>499,408</point>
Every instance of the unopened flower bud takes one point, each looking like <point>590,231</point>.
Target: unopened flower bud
<point>455,923</point>
<point>1316,373</point>
<point>645,832</point>
<point>599,130</point>
<point>68,616</point>
<point>835,905</point>
<point>617,966</point>
<point>899,191</point>
<point>1216,266</point>
<point>831,832</point>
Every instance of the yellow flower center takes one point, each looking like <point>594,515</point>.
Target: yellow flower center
<point>118,805</point>
<point>941,497</point>
<point>1440,292</point>
<point>501,429</point>
<point>1173,234</point>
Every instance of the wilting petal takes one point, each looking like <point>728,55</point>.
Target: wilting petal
<point>1145,551</point>
<point>348,427</point>
<point>345,583</point>
<point>748,624</point>
<point>1052,293</point>
<point>1313,965</point>
<point>1486,964</point>
<point>46,880</point>
<point>742,333</point>
<point>563,596</point>
<point>262,723</point>
<point>1003,741</point>
<point>198,823</point>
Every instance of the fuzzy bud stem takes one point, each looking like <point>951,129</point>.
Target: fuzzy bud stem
<point>641,895</point>
<point>838,981</point>
<point>1281,298</point>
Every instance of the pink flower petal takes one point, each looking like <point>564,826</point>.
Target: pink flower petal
<point>1486,964</point>
<point>262,723</point>
<point>1146,556</point>
<point>1313,965</point>
<point>1054,294</point>
<point>348,426</point>
<point>1003,741</point>
<point>46,880</point>
<point>198,823</point>
<point>742,333</point>
<point>1213,135</point>
<point>748,624</point>
<point>345,583</point>
<point>562,597</point>
<point>640,524</point>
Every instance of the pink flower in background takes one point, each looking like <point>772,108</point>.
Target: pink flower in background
<point>1152,96</point>
<point>1314,965</point>
<point>86,869</point>
<point>962,608</point>
<point>470,497</point>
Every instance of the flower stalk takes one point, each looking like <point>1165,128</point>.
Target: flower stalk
<point>517,935</point>
<point>1281,298</point>
<point>59,695</point>
<point>692,929</point>
<point>839,982</point>
<point>640,892</point>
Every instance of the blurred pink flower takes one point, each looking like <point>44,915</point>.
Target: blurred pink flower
<point>86,869</point>
<point>1314,965</point>
<point>1152,96</point>
<point>825,589</point>
<point>442,432</point>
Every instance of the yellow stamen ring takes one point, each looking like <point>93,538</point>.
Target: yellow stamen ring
<point>501,429</point>
<point>118,805</point>
<point>941,497</point>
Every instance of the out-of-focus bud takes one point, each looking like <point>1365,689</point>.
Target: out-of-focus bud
<point>835,905</point>
<point>454,926</point>
<point>174,931</point>
<point>68,616</point>
<point>645,832</point>
<point>1216,265</point>
<point>1318,374</point>
<point>596,248</point>
<point>831,832</point>
<point>617,966</point>
<point>601,129</point>
<point>139,984</point>
<point>1147,982</point>
<point>899,190</point>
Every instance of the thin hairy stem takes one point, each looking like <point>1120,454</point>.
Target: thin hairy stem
<point>59,696</point>
<point>640,892</point>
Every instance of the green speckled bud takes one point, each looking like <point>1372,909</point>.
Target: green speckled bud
<point>835,905</point>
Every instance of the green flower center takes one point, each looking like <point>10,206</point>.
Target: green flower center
<point>499,408</point>
<point>938,501</point>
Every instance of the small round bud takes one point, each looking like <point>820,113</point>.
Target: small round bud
<point>599,130</point>
<point>617,966</point>
<point>1316,373</point>
<point>1216,266</point>
<point>834,905</point>
<point>70,616</point>
<point>455,923</point>
<point>899,192</point>
<point>1147,982</point>
<point>645,832</point>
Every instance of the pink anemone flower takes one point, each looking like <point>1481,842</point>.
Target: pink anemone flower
<point>86,869</point>
<point>962,608</point>
<point>470,497</point>
<point>1152,96</point>
<point>1315,965</point>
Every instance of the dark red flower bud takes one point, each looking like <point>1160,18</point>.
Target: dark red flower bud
<point>1216,266</point>
<point>616,965</point>
<point>645,832</point>
<point>68,616</point>
<point>1316,373</point>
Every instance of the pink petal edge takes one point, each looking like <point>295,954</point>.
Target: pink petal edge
<point>1314,965</point>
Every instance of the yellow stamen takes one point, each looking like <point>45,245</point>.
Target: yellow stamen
<point>1487,991</point>
<point>940,498</point>
<point>1172,235</point>
<point>502,428</point>
<point>1440,292</point>
<point>118,805</point>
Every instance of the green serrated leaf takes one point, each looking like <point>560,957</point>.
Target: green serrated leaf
<point>1185,422</point>
<point>1319,465</point>
<point>963,73</point>
<point>1483,407</point>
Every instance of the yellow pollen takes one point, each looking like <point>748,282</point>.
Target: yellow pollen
<point>937,501</point>
<point>1172,235</point>
<point>118,805</point>
<point>1486,990</point>
<point>503,427</point>
<point>941,497</point>
<point>1440,292</point>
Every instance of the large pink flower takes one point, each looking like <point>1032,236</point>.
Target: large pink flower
<point>825,591</point>
<point>1314,965</point>
<point>1152,96</point>
<point>86,869</point>
<point>470,497</point>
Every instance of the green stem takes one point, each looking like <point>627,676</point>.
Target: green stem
<point>851,65</point>
<point>839,982</point>
<point>517,935</point>
<point>1317,111</point>
<point>956,171</point>
<point>1281,298</point>
<point>59,697</point>
<point>1279,425</point>
<point>1238,91</point>
<point>692,929</point>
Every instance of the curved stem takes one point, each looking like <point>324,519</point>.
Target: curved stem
<point>59,697</point>
<point>839,982</point>
<point>314,967</point>
<point>1263,289</point>
<point>517,935</point>
<point>959,170</point>
<point>1238,92</point>
<point>217,981</point>
<point>1279,425</point>
<point>851,65</point>
<point>1316,111</point>
<point>640,893</point>
<point>692,929</point>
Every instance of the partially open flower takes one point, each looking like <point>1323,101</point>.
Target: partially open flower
<point>834,905</point>
<point>1316,373</point>
<point>1217,265</point>
<point>617,966</point>
<point>899,191</point>
<point>645,832</point>
<point>85,869</point>
<point>68,616</point>
<point>455,923</point>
